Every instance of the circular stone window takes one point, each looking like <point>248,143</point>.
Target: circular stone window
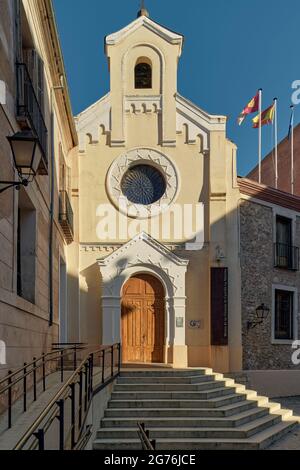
<point>143,184</point>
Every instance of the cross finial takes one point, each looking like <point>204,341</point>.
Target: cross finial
<point>143,11</point>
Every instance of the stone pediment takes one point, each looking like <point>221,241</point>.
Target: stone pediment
<point>143,21</point>
<point>143,254</point>
<point>142,249</point>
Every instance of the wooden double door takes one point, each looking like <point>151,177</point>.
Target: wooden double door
<point>143,320</point>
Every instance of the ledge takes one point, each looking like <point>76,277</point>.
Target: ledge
<point>268,194</point>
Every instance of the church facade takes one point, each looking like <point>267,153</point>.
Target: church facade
<point>166,249</point>
<point>158,212</point>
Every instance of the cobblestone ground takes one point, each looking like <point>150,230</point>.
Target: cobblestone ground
<point>292,440</point>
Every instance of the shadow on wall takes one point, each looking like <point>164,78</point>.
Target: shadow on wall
<point>91,305</point>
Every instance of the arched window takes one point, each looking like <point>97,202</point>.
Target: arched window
<point>143,75</point>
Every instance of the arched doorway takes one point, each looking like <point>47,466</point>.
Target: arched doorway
<point>143,319</point>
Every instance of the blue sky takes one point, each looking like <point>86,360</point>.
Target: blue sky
<point>232,48</point>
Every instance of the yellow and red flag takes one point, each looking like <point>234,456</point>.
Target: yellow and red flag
<point>267,117</point>
<point>251,107</point>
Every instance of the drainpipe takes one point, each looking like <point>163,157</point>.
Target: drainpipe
<point>52,188</point>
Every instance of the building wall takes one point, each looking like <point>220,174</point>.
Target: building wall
<point>284,166</point>
<point>24,326</point>
<point>257,238</point>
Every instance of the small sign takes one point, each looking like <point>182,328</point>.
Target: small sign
<point>195,324</point>
<point>179,322</point>
<point>2,92</point>
<point>2,353</point>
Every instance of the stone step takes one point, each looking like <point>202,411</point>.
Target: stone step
<point>226,409</point>
<point>165,372</point>
<point>260,440</point>
<point>189,410</point>
<point>166,379</point>
<point>192,403</point>
<point>170,387</point>
<point>181,411</point>
<point>172,420</point>
<point>241,432</point>
<point>169,395</point>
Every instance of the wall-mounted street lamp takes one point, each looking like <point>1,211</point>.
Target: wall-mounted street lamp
<point>27,154</point>
<point>261,313</point>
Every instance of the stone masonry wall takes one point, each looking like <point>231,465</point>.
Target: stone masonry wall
<point>258,276</point>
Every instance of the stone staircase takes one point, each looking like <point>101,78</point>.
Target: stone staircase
<point>189,409</point>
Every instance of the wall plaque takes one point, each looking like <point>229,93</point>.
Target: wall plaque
<point>195,324</point>
<point>179,322</point>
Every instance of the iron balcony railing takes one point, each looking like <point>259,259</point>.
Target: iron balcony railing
<point>29,111</point>
<point>286,256</point>
<point>66,216</point>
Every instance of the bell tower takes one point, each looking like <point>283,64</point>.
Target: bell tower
<point>143,59</point>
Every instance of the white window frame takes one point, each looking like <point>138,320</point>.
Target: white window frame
<point>295,313</point>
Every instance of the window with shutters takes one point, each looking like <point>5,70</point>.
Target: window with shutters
<point>26,248</point>
<point>65,197</point>
<point>284,314</point>
<point>35,67</point>
<point>286,255</point>
<point>219,306</point>
<point>30,81</point>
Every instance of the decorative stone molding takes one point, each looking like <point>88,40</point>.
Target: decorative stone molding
<point>143,254</point>
<point>197,122</point>
<point>131,158</point>
<point>164,33</point>
<point>90,122</point>
<point>143,104</point>
<point>107,248</point>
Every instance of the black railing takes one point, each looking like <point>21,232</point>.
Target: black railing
<point>24,381</point>
<point>286,256</point>
<point>66,216</point>
<point>28,107</point>
<point>144,436</point>
<point>66,414</point>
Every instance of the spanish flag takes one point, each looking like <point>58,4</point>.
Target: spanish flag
<point>267,117</point>
<point>251,107</point>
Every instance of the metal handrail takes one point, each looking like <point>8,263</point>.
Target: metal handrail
<point>55,409</point>
<point>144,436</point>
<point>21,374</point>
<point>78,345</point>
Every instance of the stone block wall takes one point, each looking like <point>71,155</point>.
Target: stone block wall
<point>258,275</point>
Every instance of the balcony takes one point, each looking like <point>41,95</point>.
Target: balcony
<point>66,216</point>
<point>286,257</point>
<point>29,113</point>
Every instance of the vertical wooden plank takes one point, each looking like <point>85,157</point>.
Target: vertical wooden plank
<point>219,306</point>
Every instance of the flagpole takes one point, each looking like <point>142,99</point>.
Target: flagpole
<point>292,149</point>
<point>259,135</point>
<point>276,142</point>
